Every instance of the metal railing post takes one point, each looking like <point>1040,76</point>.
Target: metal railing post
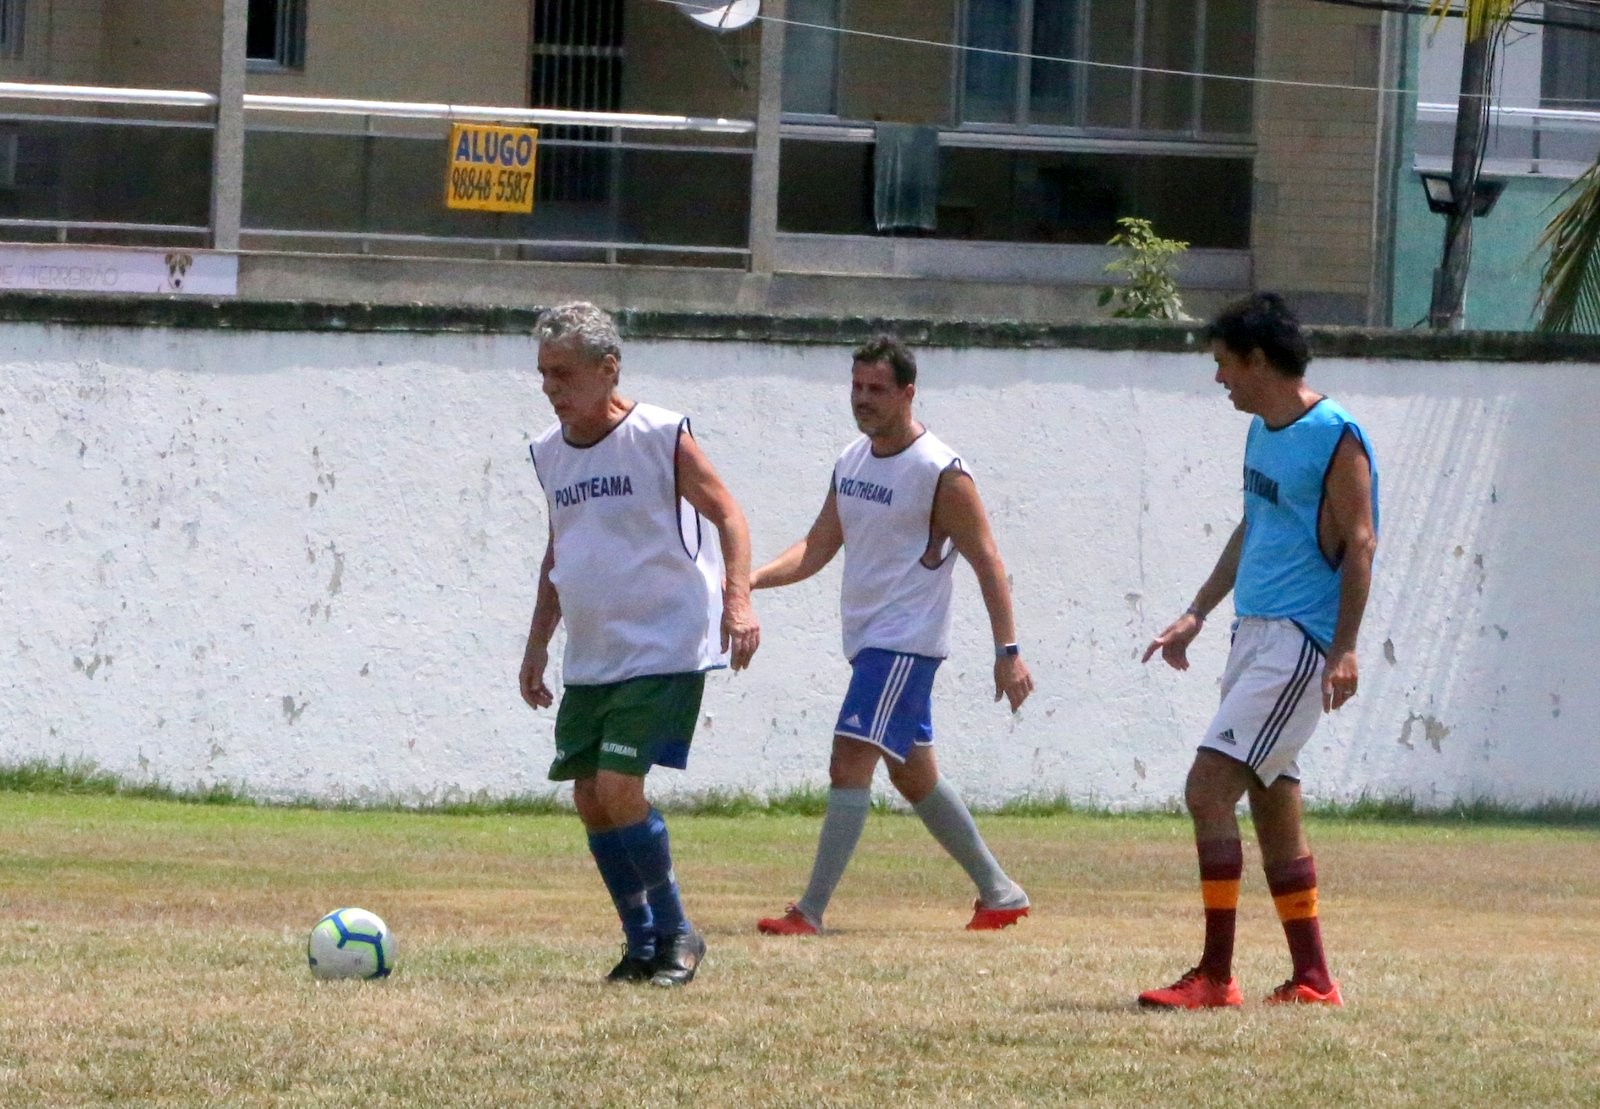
<point>227,144</point>
<point>614,200</point>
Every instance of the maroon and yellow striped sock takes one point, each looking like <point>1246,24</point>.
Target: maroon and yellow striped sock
<point>1294,892</point>
<point>1221,866</point>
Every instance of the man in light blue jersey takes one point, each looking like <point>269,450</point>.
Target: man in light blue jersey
<point>1299,566</point>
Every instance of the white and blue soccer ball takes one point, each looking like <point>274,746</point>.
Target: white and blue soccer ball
<point>351,943</point>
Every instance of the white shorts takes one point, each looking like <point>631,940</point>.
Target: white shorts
<point>1271,698</point>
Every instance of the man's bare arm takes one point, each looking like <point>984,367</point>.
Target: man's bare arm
<point>1173,643</point>
<point>701,487</point>
<point>546,615</point>
<point>958,512</point>
<point>1349,504</point>
<point>810,554</point>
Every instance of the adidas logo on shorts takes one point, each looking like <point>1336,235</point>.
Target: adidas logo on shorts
<point>852,721</point>
<point>1226,737</point>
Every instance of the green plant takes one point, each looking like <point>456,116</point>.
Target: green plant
<point>1149,290</point>
<point>1569,287</point>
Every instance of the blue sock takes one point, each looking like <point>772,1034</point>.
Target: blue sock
<point>626,889</point>
<point>647,845</point>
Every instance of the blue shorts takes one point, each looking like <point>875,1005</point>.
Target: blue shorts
<point>890,701</point>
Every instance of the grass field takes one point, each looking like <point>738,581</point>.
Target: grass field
<point>152,953</point>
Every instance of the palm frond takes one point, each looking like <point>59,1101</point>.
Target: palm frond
<point>1481,15</point>
<point>1569,287</point>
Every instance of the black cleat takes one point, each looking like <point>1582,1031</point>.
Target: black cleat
<point>632,969</point>
<point>677,958</point>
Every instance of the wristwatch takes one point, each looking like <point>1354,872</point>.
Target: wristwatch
<point>1004,650</point>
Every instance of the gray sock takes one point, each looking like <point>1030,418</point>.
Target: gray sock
<point>841,828</point>
<point>946,816</point>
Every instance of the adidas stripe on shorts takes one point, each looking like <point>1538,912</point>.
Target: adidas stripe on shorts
<point>1271,697</point>
<point>890,701</point>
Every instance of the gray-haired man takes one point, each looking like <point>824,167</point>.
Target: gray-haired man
<point>652,599</point>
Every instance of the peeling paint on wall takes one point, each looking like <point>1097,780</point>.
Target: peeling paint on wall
<point>1433,731</point>
<point>291,711</point>
<point>170,483</point>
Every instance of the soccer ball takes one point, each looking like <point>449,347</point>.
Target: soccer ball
<point>351,943</point>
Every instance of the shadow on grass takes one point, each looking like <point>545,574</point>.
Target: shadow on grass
<point>79,778</point>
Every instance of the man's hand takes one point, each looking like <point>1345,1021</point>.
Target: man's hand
<point>1338,679</point>
<point>531,679</point>
<point>1174,642</point>
<point>1012,680</point>
<point>740,630</point>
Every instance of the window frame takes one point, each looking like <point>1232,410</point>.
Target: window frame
<point>840,15</point>
<point>288,40</point>
<point>13,28</point>
<point>1022,95</point>
<point>1563,42</point>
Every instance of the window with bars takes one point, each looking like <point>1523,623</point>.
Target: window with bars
<point>275,34</point>
<point>577,65</point>
<point>1569,76</point>
<point>12,13</point>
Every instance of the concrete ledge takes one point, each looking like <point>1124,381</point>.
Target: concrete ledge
<point>79,310</point>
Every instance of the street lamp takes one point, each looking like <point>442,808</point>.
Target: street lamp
<point>1441,196</point>
<point>1450,278</point>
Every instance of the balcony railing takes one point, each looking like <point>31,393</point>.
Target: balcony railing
<point>1553,142</point>
<point>367,176</point>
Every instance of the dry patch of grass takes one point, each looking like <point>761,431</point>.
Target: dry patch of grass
<point>152,953</point>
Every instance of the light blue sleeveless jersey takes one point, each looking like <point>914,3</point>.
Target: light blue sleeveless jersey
<point>1283,572</point>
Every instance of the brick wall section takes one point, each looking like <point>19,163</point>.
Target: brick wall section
<point>1316,156</point>
<point>62,43</point>
<point>393,51</point>
<point>354,48</point>
<point>162,44</point>
<point>76,40</point>
<point>674,66</point>
<point>898,81</point>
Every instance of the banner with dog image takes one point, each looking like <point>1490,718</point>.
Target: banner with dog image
<point>83,269</point>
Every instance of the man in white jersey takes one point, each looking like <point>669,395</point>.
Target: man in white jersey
<point>900,505</point>
<point>640,529</point>
<point>1299,565</point>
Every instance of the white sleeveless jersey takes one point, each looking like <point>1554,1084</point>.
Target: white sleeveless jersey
<point>638,572</point>
<point>890,598</point>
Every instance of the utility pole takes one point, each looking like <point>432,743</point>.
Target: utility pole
<point>1450,279</point>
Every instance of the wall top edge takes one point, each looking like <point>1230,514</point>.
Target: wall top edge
<point>229,314</point>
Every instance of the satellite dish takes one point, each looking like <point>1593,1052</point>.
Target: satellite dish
<point>723,17</point>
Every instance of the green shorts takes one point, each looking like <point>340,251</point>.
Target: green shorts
<point>627,726</point>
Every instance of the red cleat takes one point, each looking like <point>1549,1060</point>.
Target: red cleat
<point>1298,993</point>
<point>1194,991</point>
<point>992,920</point>
<point>792,923</point>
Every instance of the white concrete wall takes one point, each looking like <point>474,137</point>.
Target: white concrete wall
<point>304,564</point>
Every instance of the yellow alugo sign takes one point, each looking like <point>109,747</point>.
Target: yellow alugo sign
<point>491,168</point>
